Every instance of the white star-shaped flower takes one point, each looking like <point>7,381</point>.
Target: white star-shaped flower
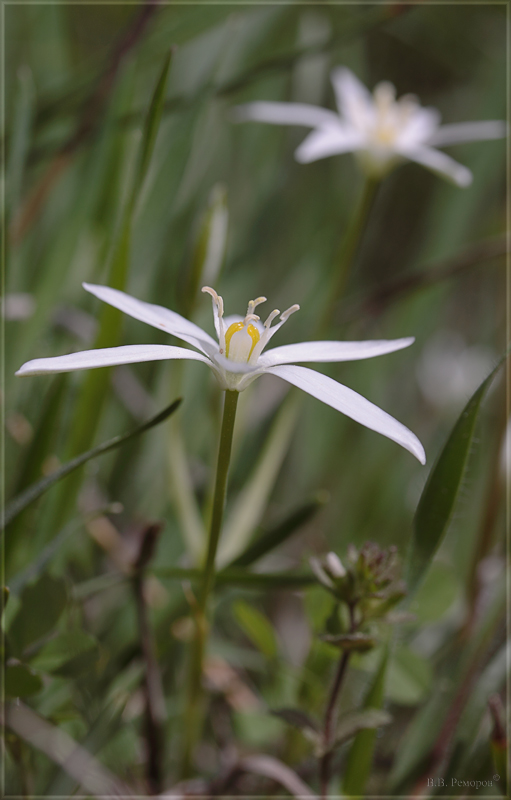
<point>378,128</point>
<point>237,358</point>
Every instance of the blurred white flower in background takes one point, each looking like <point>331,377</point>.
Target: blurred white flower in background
<point>237,358</point>
<point>378,128</point>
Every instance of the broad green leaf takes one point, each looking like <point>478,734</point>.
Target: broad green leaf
<point>21,681</point>
<point>275,536</point>
<point>360,756</point>
<point>436,594</point>
<point>256,627</point>
<point>35,491</point>
<point>68,655</point>
<point>42,603</point>
<point>436,506</point>
<point>409,677</point>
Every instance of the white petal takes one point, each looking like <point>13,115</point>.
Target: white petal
<point>354,101</point>
<point>328,141</point>
<point>159,317</point>
<point>352,404</point>
<point>420,127</point>
<point>284,114</point>
<point>468,132</point>
<point>109,357</point>
<point>438,162</point>
<point>331,351</point>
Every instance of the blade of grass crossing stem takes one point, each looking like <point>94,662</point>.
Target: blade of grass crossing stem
<point>36,490</point>
<point>438,499</point>
<point>253,499</point>
<point>278,534</point>
<point>360,756</point>
<point>95,386</point>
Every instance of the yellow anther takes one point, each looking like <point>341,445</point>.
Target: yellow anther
<point>236,327</point>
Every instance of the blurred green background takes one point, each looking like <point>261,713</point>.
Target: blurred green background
<point>79,79</point>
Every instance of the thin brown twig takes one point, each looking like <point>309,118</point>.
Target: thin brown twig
<point>392,290</point>
<point>88,123</point>
<point>328,727</point>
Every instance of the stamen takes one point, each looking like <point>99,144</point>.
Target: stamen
<point>272,316</point>
<point>254,303</point>
<point>218,313</point>
<point>291,310</point>
<point>251,318</point>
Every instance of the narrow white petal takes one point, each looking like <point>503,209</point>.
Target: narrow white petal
<point>354,100</point>
<point>331,351</point>
<point>438,162</point>
<point>420,127</point>
<point>159,317</point>
<point>109,357</point>
<point>468,132</point>
<point>284,114</point>
<point>328,141</point>
<point>350,403</point>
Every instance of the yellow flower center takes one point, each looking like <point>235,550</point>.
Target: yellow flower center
<point>240,340</point>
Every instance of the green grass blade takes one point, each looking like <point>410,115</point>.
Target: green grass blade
<point>438,499</point>
<point>35,491</point>
<point>281,532</point>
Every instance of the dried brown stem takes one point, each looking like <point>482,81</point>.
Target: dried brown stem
<point>385,294</point>
<point>155,714</point>
<point>328,727</point>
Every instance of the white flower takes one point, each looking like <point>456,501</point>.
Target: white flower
<point>238,358</point>
<point>379,129</point>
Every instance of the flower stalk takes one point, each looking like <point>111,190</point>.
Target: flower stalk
<point>348,250</point>
<point>194,703</point>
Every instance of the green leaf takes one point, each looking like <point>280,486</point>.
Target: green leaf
<point>256,627</point>
<point>42,603</point>
<point>20,681</point>
<point>151,126</point>
<point>409,678</point>
<point>353,642</point>
<point>350,724</point>
<point>35,491</point>
<point>436,594</point>
<point>436,506</point>
<point>68,655</point>
<point>360,756</point>
<point>209,252</point>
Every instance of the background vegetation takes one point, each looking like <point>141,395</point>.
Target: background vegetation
<point>104,187</point>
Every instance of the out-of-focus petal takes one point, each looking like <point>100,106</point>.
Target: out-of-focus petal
<point>109,357</point>
<point>421,127</point>
<point>331,351</point>
<point>350,403</point>
<point>284,114</point>
<point>159,317</point>
<point>354,101</point>
<point>328,141</point>
<point>468,132</point>
<point>438,162</point>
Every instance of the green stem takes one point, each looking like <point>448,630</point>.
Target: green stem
<point>348,250</point>
<point>194,704</point>
<point>224,457</point>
